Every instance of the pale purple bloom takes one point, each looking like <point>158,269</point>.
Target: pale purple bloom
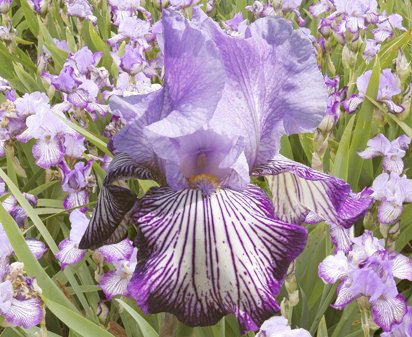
<point>37,247</point>
<point>20,298</point>
<point>76,182</point>
<point>5,6</point>
<point>48,129</point>
<point>403,329</point>
<point>85,59</point>
<point>392,190</point>
<point>74,145</point>
<point>133,59</point>
<point>7,90</point>
<point>69,252</point>
<point>320,7</point>
<point>389,86</point>
<point>372,48</point>
<point>392,151</point>
<point>115,282</point>
<point>386,26</point>
<point>369,270</point>
<point>179,4</point>
<point>66,81</point>
<point>216,121</point>
<point>133,28</point>
<point>278,326</point>
<point>81,9</point>
<point>39,6</point>
<point>125,5</point>
<point>28,103</point>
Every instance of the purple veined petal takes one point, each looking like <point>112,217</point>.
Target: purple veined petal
<point>298,189</point>
<point>389,213</point>
<point>355,23</point>
<point>344,295</point>
<point>48,152</point>
<point>387,312</point>
<point>79,98</point>
<point>261,107</point>
<point>341,237</point>
<point>119,251</point>
<point>377,146</point>
<point>116,281</point>
<point>74,145</point>
<point>25,313</point>
<point>313,218</point>
<point>402,266</point>
<point>403,329</point>
<point>194,79</point>
<point>69,254</point>
<point>381,34</point>
<point>6,294</point>
<point>115,204</point>
<point>201,258</point>
<point>38,248</point>
<point>352,103</point>
<point>333,268</point>
<point>76,199</point>
<point>393,164</point>
<point>392,106</point>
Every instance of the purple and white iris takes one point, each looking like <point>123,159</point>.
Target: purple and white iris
<point>209,242</point>
<point>69,252</point>
<point>392,151</point>
<point>389,86</point>
<point>392,190</point>
<point>369,270</point>
<point>278,326</point>
<point>20,297</point>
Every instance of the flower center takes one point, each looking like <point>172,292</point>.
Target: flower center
<point>207,183</point>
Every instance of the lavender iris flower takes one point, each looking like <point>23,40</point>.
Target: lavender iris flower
<point>392,151</point>
<point>20,298</point>
<point>81,9</point>
<point>69,252</point>
<point>392,190</point>
<point>278,327</point>
<point>369,270</point>
<point>389,86</point>
<point>209,242</point>
<point>39,6</point>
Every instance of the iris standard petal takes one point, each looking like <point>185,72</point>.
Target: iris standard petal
<point>111,216</point>
<point>298,189</point>
<point>334,268</point>
<point>193,82</point>
<point>273,85</point>
<point>69,253</point>
<point>202,257</point>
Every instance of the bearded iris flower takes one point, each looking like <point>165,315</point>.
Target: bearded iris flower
<point>209,242</point>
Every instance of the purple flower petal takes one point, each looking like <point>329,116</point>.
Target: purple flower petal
<point>25,313</point>
<point>387,312</point>
<point>37,247</point>
<point>48,152</point>
<point>261,107</point>
<point>351,104</point>
<point>334,268</point>
<point>119,251</point>
<point>341,237</point>
<point>298,190</point>
<point>344,295</point>
<point>76,199</point>
<point>377,146</point>
<point>69,253</point>
<point>79,223</point>
<point>389,213</point>
<point>114,283</point>
<point>402,266</point>
<point>224,252</point>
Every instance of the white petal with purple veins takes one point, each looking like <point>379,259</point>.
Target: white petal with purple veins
<point>115,283</point>
<point>334,267</point>
<point>388,311</point>
<point>345,295</point>
<point>25,313</point>
<point>202,257</point>
<point>69,253</point>
<point>298,190</point>
<point>37,247</point>
<point>119,251</point>
<point>341,237</point>
<point>402,267</point>
<point>48,152</point>
<point>389,213</point>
